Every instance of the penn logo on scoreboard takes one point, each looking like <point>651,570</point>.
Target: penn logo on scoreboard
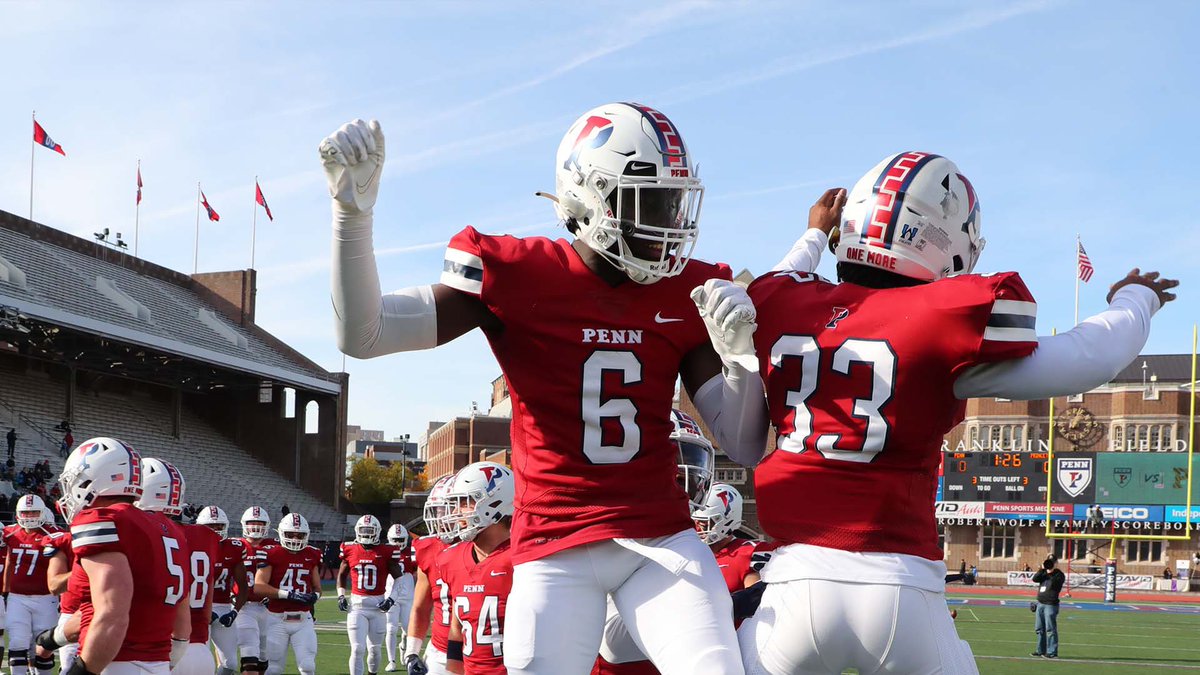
<point>1074,475</point>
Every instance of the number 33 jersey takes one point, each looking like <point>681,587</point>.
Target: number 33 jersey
<point>591,371</point>
<point>860,385</point>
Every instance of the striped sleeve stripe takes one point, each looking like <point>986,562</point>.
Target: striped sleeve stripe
<point>95,537</point>
<point>1012,321</point>
<point>463,271</point>
<point>78,530</point>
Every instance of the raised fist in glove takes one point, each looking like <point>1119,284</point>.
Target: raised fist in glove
<point>415,665</point>
<point>729,317</point>
<point>302,597</point>
<point>386,604</point>
<point>343,603</point>
<point>353,160</point>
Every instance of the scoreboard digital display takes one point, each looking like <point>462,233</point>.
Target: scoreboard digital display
<point>995,476</point>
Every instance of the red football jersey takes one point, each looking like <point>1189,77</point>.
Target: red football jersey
<point>24,564</point>
<point>158,558</point>
<point>591,443</point>
<point>290,570</point>
<point>429,552</point>
<point>734,559</point>
<point>229,553</point>
<point>203,544</point>
<point>480,592</point>
<point>251,560</point>
<point>602,667</point>
<point>53,544</point>
<point>369,566</point>
<point>860,385</point>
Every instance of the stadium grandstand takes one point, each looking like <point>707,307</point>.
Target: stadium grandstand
<point>173,364</point>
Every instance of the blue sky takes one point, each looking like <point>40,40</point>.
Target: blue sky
<point>1069,117</point>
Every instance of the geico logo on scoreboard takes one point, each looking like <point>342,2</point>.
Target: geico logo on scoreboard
<point>969,510</point>
<point>1123,512</point>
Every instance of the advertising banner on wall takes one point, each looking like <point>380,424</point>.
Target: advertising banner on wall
<point>972,511</point>
<point>1142,513</point>
<point>1133,582</point>
<point>1008,510</point>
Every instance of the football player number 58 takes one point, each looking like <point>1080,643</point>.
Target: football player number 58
<point>624,367</point>
<point>873,430</point>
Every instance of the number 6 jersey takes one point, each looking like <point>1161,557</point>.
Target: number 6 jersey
<point>860,385</point>
<point>591,371</point>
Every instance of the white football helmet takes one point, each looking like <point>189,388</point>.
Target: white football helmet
<point>481,495</point>
<point>720,514</point>
<point>99,467</point>
<point>435,510</point>
<point>915,215</point>
<point>397,535</point>
<point>696,457</point>
<point>255,523</point>
<point>367,530</point>
<point>162,487</point>
<point>214,518</point>
<point>623,180</point>
<point>31,512</point>
<point>293,532</point>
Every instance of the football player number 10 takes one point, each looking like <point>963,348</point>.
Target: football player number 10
<point>877,354</point>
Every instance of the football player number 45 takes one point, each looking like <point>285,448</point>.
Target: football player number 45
<point>596,407</point>
<point>871,425</point>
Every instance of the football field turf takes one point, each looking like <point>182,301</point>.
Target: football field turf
<point>1093,639</point>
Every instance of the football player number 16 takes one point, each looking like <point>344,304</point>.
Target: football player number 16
<point>596,407</point>
<point>877,354</point>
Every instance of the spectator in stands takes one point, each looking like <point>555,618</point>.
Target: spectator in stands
<point>1045,625</point>
<point>1167,573</point>
<point>68,442</point>
<point>6,471</point>
<point>12,442</point>
<point>285,509</point>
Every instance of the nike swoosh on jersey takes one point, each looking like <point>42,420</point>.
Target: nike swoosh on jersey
<point>659,318</point>
<point>498,574</point>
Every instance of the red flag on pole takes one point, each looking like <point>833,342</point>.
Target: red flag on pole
<point>1085,265</point>
<point>42,138</point>
<point>212,214</point>
<point>139,184</point>
<point>262,201</point>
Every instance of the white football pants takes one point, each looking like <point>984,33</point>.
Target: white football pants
<point>252,624</point>
<point>365,625</point>
<point>435,660</point>
<point>66,653</point>
<point>197,660</point>
<point>225,640</point>
<point>29,615</point>
<point>138,668</point>
<point>813,627</point>
<point>668,590</point>
<point>397,616</point>
<point>297,629</point>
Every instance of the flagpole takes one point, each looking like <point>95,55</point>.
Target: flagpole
<point>196,245</point>
<point>254,224</point>
<point>137,211</point>
<point>31,155</point>
<point>1078,244</point>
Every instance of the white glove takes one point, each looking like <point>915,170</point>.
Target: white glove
<point>353,161</point>
<point>178,647</point>
<point>728,315</point>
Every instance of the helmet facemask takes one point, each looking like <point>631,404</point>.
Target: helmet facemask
<point>695,469</point>
<point>31,519</point>
<point>255,529</point>
<point>293,540</point>
<point>366,534</point>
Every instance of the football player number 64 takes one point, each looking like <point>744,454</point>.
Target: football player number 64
<point>596,407</point>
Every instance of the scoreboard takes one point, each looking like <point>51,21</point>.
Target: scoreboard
<point>995,476</point>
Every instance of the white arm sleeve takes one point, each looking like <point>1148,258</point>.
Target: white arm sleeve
<point>734,406</point>
<point>805,253</point>
<point>1079,360</point>
<point>370,324</point>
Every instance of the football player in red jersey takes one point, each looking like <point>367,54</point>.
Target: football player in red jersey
<point>57,549</point>
<point>134,581</point>
<point>431,596</point>
<point>863,380</point>
<point>31,607</point>
<point>289,575</point>
<point>716,521</point>
<point>228,567</point>
<point>367,564</point>
<point>162,497</point>
<point>397,616</point>
<point>479,572</point>
<point>254,621</point>
<point>609,311</point>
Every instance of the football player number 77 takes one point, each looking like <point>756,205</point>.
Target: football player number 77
<point>872,426</point>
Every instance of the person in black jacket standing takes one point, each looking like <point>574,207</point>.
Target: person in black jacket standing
<point>1050,582</point>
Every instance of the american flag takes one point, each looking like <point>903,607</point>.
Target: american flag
<point>1085,264</point>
